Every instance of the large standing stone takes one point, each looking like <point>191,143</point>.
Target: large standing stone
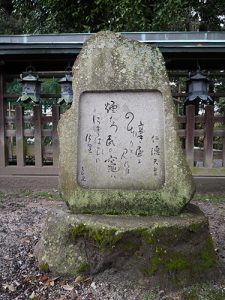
<point>119,150</point>
<point>119,154</point>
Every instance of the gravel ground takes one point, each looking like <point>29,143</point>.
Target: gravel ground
<point>22,217</point>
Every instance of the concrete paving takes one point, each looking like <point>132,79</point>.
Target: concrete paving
<point>210,184</point>
<point>50,183</point>
<point>33,183</point>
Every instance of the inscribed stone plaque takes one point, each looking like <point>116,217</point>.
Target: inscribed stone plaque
<point>121,140</point>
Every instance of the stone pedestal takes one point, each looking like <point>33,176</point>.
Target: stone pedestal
<point>164,251</point>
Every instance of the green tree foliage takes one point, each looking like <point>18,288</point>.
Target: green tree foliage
<point>211,13</point>
<point>55,16</point>
<point>9,23</point>
<point>173,15</point>
<point>202,15</point>
<point>84,15</point>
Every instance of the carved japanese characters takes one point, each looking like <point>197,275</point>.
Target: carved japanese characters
<point>119,145</point>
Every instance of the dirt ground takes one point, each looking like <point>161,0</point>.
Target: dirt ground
<point>22,215</point>
<point>48,183</point>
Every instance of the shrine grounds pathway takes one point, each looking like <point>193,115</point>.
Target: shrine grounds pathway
<point>24,205</point>
<point>49,183</point>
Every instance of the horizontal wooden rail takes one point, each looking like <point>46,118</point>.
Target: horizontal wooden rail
<point>202,136</point>
<point>53,95</point>
<point>28,119</point>
<point>199,119</point>
<point>28,132</point>
<point>29,170</point>
<point>42,95</point>
<point>201,132</point>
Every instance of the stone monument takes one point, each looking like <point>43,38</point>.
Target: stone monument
<point>123,174</point>
<point>119,151</point>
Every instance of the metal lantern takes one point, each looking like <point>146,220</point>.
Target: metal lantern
<point>197,88</point>
<point>31,86</point>
<point>66,88</point>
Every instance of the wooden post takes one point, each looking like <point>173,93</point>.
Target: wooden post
<point>190,127</point>
<point>37,136</point>
<point>223,153</point>
<point>2,124</point>
<point>19,136</point>
<point>208,138</point>
<point>55,140</point>
<point>10,139</point>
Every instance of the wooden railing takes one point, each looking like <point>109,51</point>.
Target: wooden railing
<point>24,150</point>
<point>35,157</point>
<point>23,134</point>
<point>203,139</point>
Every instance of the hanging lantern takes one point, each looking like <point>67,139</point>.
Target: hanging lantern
<point>31,86</point>
<point>197,89</point>
<point>66,88</point>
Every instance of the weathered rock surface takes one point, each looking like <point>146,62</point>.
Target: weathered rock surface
<point>164,251</point>
<point>109,63</point>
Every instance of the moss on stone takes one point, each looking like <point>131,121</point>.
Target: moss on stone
<point>44,267</point>
<point>83,267</point>
<point>178,263</point>
<point>103,236</point>
<point>166,258</point>
<point>172,262</point>
<point>124,202</point>
<point>161,238</point>
<point>207,256</point>
<point>168,262</point>
<point>194,227</point>
<point>175,262</point>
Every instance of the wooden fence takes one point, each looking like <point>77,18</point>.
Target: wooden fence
<point>23,135</point>
<point>29,140</point>
<point>22,142</point>
<point>203,139</point>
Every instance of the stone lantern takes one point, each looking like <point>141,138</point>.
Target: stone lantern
<point>66,88</point>
<point>31,85</point>
<point>197,89</point>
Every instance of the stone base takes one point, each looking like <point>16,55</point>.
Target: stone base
<point>164,251</point>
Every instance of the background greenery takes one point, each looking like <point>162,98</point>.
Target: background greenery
<point>55,16</point>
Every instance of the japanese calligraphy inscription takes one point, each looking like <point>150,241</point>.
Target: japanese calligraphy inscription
<point>121,140</point>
